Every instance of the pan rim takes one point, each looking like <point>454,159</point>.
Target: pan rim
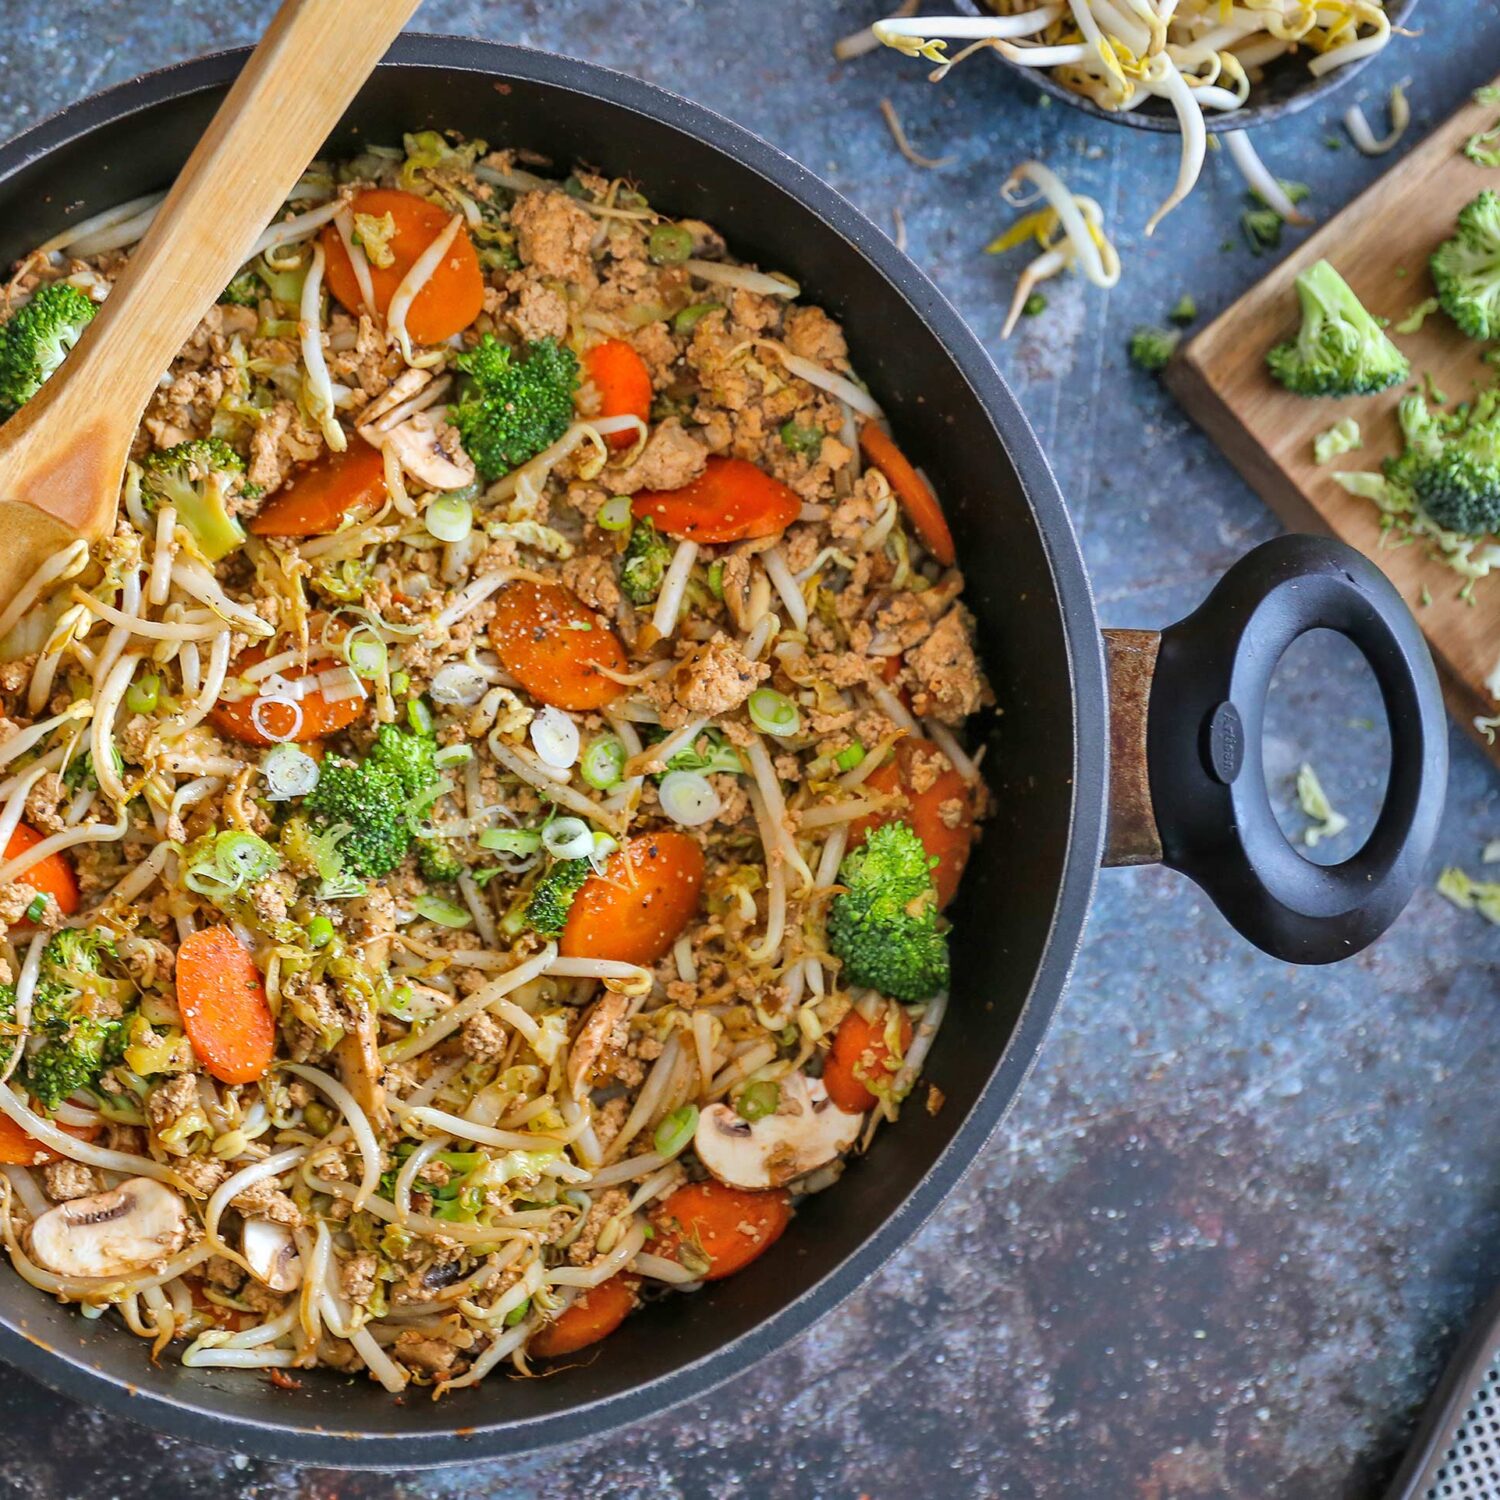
<point>188,1415</point>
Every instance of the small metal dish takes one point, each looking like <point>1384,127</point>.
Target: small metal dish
<point>1286,88</point>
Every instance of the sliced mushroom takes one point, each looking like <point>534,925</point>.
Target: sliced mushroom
<point>607,1012</point>
<point>360,1068</point>
<point>271,1254</point>
<point>807,1131</point>
<point>401,389</point>
<point>108,1234</point>
<point>429,450</point>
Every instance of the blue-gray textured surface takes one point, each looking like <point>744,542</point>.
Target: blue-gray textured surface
<point>1240,1211</point>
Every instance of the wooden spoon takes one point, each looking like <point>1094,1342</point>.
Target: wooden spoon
<point>62,456</point>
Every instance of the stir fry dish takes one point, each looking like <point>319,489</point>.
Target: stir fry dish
<point>477,836</point>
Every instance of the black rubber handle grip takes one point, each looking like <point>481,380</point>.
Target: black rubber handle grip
<point>1204,744</point>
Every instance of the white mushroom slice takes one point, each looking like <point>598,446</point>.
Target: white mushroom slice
<point>107,1234</point>
<point>607,1012</point>
<point>429,450</point>
<point>271,1254</point>
<point>807,1131</point>
<point>402,388</point>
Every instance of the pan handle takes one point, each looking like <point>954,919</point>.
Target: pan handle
<point>1187,782</point>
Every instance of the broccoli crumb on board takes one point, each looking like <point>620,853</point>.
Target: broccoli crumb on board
<point>1151,348</point>
<point>1327,821</point>
<point>1343,437</point>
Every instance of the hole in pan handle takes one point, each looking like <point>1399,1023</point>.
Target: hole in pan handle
<point>1187,782</point>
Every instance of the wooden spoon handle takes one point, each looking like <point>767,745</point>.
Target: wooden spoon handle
<point>292,92</point>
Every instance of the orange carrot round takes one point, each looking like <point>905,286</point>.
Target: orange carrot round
<point>554,645</point>
<point>859,1052</point>
<point>235,717</point>
<point>914,493</point>
<point>451,297</point>
<point>728,1226</point>
<point>592,1315</point>
<point>223,1004</point>
<point>635,911</point>
<point>730,501</point>
<point>52,876</point>
<point>17,1149</point>
<point>623,382</point>
<point>320,496</point>
<point>923,812</point>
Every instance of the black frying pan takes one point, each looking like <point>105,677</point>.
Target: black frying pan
<point>1186,732</point>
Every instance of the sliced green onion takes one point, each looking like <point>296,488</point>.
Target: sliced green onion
<point>142,696</point>
<point>568,838</point>
<point>851,756</point>
<point>37,910</point>
<point>688,798</point>
<point>366,653</point>
<point>774,713</point>
<point>419,716</point>
<point>450,518</point>
<point>716,579</point>
<point>289,772</point>
<point>319,932</point>
<point>669,244</point>
<point>444,913</point>
<point>400,683</point>
<point>758,1100</point>
<point>675,1132</point>
<point>603,763</point>
<point>517,1314</point>
<point>453,755</point>
<point>614,514</point>
<point>511,840</point>
<point>245,854</point>
<point>689,318</point>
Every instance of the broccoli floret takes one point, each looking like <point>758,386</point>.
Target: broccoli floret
<point>198,477</point>
<point>1341,350</point>
<point>1151,348</point>
<point>509,411</point>
<point>644,565</point>
<point>1466,269</point>
<point>36,340</point>
<point>437,862</point>
<point>885,924</point>
<point>245,290</point>
<point>407,754</point>
<point>80,772</point>
<point>552,896</point>
<point>370,800</point>
<point>72,1037</point>
<point>1451,463</point>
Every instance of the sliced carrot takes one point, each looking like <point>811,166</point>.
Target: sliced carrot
<point>593,1315</point>
<point>321,495</point>
<point>235,717</point>
<point>52,876</point>
<point>17,1149</point>
<point>223,1004</point>
<point>730,501</point>
<point>922,811</point>
<point>859,1052</point>
<point>914,493</point>
<point>728,1226</point>
<point>549,640</point>
<point>451,297</point>
<point>635,911</point>
<point>620,376</point>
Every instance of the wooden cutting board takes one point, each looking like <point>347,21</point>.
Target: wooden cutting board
<point>1267,433</point>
